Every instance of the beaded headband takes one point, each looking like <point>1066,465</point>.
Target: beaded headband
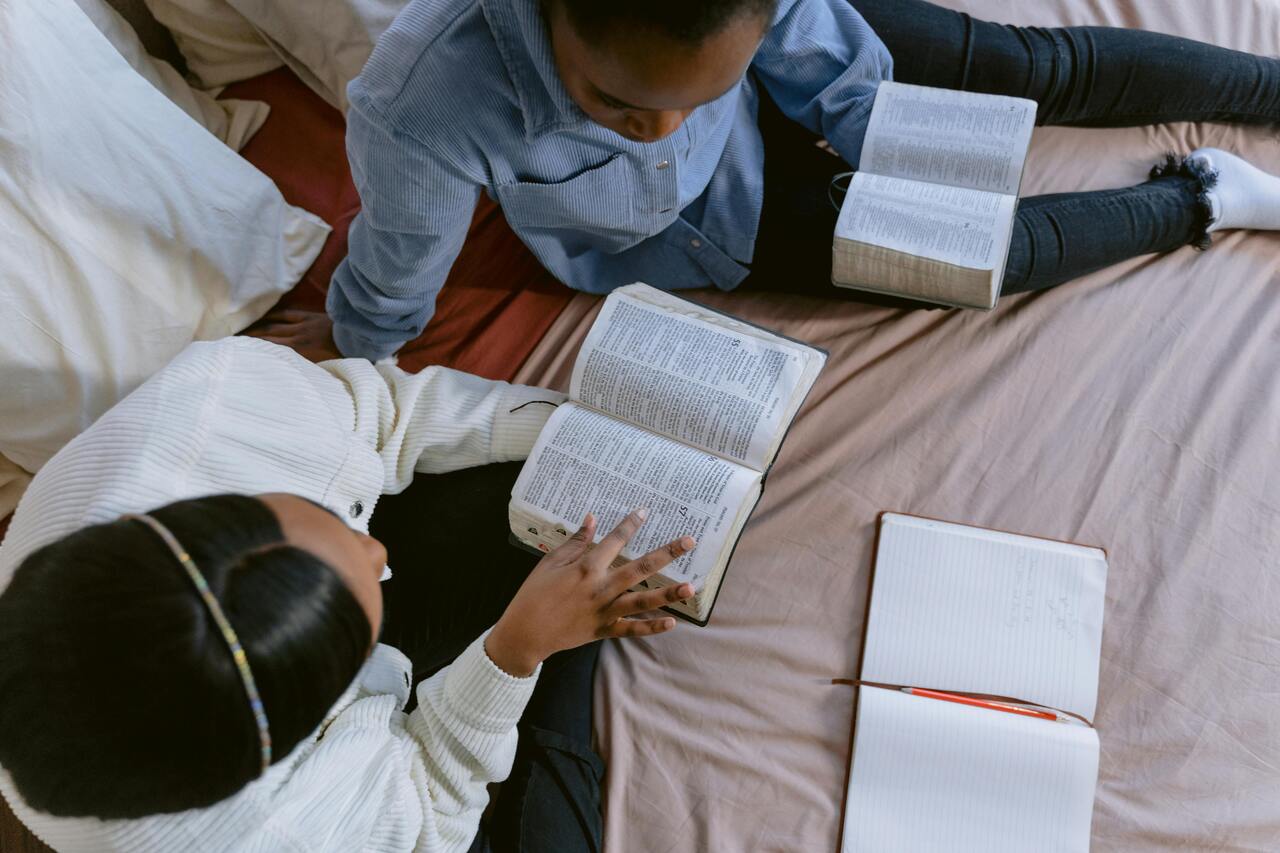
<point>228,633</point>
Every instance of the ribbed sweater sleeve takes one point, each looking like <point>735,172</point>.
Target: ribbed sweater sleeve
<point>466,723</point>
<point>440,419</point>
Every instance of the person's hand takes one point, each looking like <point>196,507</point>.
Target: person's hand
<point>574,596</point>
<point>310,333</point>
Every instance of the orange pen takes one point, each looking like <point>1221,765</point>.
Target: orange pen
<point>980,703</point>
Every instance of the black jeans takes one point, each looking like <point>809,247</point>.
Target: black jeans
<point>1081,76</point>
<point>453,573</point>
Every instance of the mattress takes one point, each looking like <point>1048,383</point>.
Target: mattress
<point>1137,409</point>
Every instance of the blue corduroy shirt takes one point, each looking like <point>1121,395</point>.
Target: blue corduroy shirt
<point>463,96</point>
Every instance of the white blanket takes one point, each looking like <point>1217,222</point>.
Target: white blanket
<point>126,230</point>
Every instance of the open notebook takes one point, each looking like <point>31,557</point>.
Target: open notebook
<point>978,613</point>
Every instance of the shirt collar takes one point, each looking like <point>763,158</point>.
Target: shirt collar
<point>525,45</point>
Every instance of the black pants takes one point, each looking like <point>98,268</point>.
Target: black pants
<point>1081,76</point>
<point>453,573</point>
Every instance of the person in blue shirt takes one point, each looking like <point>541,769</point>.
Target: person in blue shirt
<point>672,142</point>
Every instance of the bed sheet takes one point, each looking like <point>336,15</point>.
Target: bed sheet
<point>1137,409</point>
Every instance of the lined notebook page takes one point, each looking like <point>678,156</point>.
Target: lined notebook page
<point>931,776</point>
<point>970,610</point>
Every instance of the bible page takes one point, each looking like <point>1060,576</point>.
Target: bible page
<point>968,228</point>
<point>935,775</point>
<point>704,379</point>
<point>585,461</point>
<point>941,136</point>
<point>962,609</point>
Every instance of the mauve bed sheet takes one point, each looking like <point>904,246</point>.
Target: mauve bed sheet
<point>1137,409</point>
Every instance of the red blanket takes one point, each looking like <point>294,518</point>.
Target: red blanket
<point>498,301</point>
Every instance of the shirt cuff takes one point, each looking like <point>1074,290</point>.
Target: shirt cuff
<point>484,695</point>
<point>352,345</point>
<point>387,670</point>
<point>521,415</point>
<point>849,131</point>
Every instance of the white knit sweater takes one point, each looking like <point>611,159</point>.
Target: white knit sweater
<point>241,415</point>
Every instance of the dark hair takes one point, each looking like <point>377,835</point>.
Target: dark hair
<point>121,698</point>
<point>689,21</point>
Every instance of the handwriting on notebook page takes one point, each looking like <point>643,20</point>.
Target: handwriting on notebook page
<point>1026,606</point>
<point>1021,593</point>
<point>971,610</point>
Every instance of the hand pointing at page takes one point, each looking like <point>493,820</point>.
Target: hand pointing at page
<point>575,595</point>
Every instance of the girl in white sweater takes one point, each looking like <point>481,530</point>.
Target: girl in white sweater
<point>189,672</point>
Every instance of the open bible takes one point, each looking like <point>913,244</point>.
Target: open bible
<point>929,213</point>
<point>673,407</point>
<point>979,681</point>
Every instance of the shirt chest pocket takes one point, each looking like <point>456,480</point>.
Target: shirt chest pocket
<point>598,202</point>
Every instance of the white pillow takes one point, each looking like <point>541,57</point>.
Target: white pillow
<point>232,121</point>
<point>219,45</point>
<point>126,230</point>
<point>326,42</point>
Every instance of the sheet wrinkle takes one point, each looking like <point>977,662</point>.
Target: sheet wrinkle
<point>42,330</point>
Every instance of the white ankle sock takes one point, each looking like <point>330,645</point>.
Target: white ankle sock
<point>1244,195</point>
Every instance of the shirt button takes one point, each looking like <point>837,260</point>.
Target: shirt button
<point>357,509</point>
<point>664,164</point>
<point>695,243</point>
